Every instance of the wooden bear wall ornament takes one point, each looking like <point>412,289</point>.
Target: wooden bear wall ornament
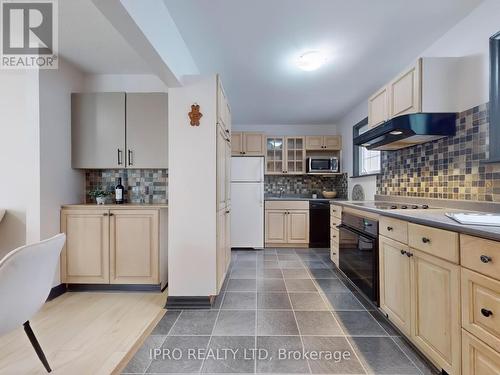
<point>195,115</point>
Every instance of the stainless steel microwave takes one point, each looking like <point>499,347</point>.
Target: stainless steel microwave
<point>323,165</point>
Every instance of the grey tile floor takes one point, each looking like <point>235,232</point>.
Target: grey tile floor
<point>286,311</point>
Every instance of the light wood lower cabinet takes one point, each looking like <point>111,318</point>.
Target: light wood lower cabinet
<point>435,301</point>
<point>394,268</point>
<point>287,226</point>
<point>114,246</point>
<point>223,253</point>
<point>477,357</point>
<point>134,246</point>
<point>85,256</point>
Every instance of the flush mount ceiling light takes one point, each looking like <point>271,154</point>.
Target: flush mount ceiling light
<point>396,132</point>
<point>311,60</point>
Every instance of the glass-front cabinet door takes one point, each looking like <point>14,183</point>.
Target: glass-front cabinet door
<point>275,155</point>
<point>295,155</point>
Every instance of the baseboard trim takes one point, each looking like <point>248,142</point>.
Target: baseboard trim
<point>56,291</point>
<point>188,302</point>
<point>113,287</point>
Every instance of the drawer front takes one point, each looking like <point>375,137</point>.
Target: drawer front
<point>437,242</point>
<point>481,307</point>
<point>336,211</point>
<point>334,234</point>
<point>334,251</point>
<point>287,205</point>
<point>480,255</point>
<point>478,358</point>
<point>334,221</point>
<point>394,229</point>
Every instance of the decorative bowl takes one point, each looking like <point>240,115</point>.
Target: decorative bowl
<point>329,194</point>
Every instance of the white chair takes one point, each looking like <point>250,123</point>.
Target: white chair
<point>26,276</point>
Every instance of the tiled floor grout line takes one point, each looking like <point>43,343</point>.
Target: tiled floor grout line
<point>163,342</point>
<point>390,336</point>
<point>340,326</point>
<point>297,323</point>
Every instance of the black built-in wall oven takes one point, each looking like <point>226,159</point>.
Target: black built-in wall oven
<point>358,253</point>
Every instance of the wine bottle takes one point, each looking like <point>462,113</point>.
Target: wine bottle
<point>119,190</point>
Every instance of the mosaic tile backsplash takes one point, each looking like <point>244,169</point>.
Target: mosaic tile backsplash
<point>306,184</point>
<point>141,185</point>
<point>448,168</point>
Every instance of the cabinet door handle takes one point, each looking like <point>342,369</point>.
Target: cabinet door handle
<point>426,240</point>
<point>228,211</point>
<point>485,258</point>
<point>111,214</point>
<point>408,254</point>
<point>119,157</point>
<point>105,214</point>
<point>130,161</point>
<point>403,252</point>
<point>390,229</point>
<point>487,313</point>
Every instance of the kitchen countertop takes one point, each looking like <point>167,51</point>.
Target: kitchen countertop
<point>431,217</point>
<point>116,206</point>
<point>297,197</point>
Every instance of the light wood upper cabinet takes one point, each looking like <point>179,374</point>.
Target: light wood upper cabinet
<point>276,226</point>
<point>435,300</point>
<point>98,130</point>
<point>85,256</point>
<point>394,267</point>
<point>332,142</point>
<point>118,130</point>
<point>221,168</point>
<point>405,92</point>
<point>314,142</point>
<point>223,109</point>
<point>237,143</point>
<point>295,155</point>
<point>275,155</point>
<point>134,250</point>
<point>147,130</point>
<point>298,226</point>
<point>378,107</point>
<point>323,142</point>
<point>248,144</point>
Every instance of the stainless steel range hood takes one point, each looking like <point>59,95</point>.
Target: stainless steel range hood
<point>408,130</point>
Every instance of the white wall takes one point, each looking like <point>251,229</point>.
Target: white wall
<point>59,184</point>
<point>19,159</point>
<point>289,129</point>
<point>192,190</point>
<point>123,83</point>
<point>469,39</point>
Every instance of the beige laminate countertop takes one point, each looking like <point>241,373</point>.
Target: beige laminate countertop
<point>117,206</point>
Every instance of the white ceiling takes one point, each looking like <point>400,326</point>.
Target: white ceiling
<point>252,44</point>
<point>89,41</point>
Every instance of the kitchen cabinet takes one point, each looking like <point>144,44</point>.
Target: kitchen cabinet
<point>435,301</point>
<point>285,155</point>
<point>378,107</point>
<point>118,130</point>
<point>405,92</point>
<point>394,268</point>
<point>134,250</point>
<point>287,223</point>
<point>247,143</point>
<point>85,256</point>
<point>323,142</point>
<point>98,130</point>
<point>147,130</point>
<point>420,291</point>
<point>478,358</point>
<point>223,108</point>
<point>114,245</point>
<point>428,85</point>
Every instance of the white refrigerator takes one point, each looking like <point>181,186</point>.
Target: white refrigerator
<point>247,202</point>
